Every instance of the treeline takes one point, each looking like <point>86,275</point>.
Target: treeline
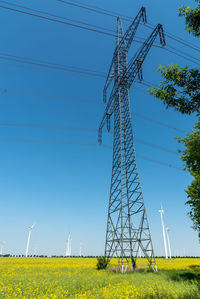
<point>86,256</point>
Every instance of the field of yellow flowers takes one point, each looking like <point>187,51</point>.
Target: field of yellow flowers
<point>78,278</point>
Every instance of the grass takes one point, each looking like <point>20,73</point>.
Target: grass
<point>78,278</point>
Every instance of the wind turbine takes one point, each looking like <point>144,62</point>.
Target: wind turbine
<point>139,253</point>
<point>80,253</point>
<point>28,241</point>
<point>2,245</point>
<point>184,254</point>
<point>163,231</point>
<point>68,247</point>
<point>168,241</point>
<point>35,249</point>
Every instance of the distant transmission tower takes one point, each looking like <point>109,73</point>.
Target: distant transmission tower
<point>127,225</point>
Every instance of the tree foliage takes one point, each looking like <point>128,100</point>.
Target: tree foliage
<point>193,193</point>
<point>191,153</point>
<point>180,88</point>
<point>191,158</point>
<point>192,18</point>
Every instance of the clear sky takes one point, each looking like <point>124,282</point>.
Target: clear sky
<point>65,187</point>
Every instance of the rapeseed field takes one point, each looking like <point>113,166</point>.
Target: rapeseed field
<point>78,278</point>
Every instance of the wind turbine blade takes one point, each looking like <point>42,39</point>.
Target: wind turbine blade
<point>32,226</point>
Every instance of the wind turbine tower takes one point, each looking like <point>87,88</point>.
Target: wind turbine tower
<point>1,248</point>
<point>28,241</point>
<point>80,253</point>
<point>35,250</point>
<point>168,241</point>
<point>139,253</point>
<point>163,231</point>
<point>69,245</point>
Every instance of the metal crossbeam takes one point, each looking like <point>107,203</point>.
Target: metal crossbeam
<point>127,225</point>
<point>125,42</point>
<point>133,70</point>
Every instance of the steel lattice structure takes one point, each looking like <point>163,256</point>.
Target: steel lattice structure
<point>127,225</point>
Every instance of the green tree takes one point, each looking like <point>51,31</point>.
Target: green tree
<point>191,158</point>
<point>192,18</point>
<point>180,90</point>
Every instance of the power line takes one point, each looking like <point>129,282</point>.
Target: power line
<point>62,22</point>
<point>61,67</point>
<point>78,26</point>
<point>55,64</point>
<point>83,27</point>
<point>159,162</point>
<point>94,9</point>
<point>166,49</point>
<point>51,65</point>
<point>50,19</point>
<point>60,98</point>
<point>129,19</point>
<point>56,16</point>
<point>183,42</point>
<point>43,126</point>
<point>47,96</point>
<point>177,53</point>
<point>87,24</point>
<point>183,52</point>
<point>70,128</point>
<point>158,122</point>
<point>55,20</point>
<point>155,146</point>
<point>176,38</point>
<point>93,144</point>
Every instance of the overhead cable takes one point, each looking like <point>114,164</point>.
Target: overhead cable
<point>62,98</point>
<point>93,144</point>
<point>70,128</point>
<point>55,16</point>
<point>126,18</point>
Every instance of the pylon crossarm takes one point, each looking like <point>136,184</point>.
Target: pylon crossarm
<point>133,70</point>
<point>125,42</point>
<point>134,66</point>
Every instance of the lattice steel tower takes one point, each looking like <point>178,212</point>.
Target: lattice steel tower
<point>127,225</point>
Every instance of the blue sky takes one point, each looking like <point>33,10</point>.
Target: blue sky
<point>65,187</point>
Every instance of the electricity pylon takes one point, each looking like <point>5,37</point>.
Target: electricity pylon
<point>127,225</point>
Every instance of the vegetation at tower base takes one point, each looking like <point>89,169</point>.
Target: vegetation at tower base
<point>180,90</point>
<point>102,262</point>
